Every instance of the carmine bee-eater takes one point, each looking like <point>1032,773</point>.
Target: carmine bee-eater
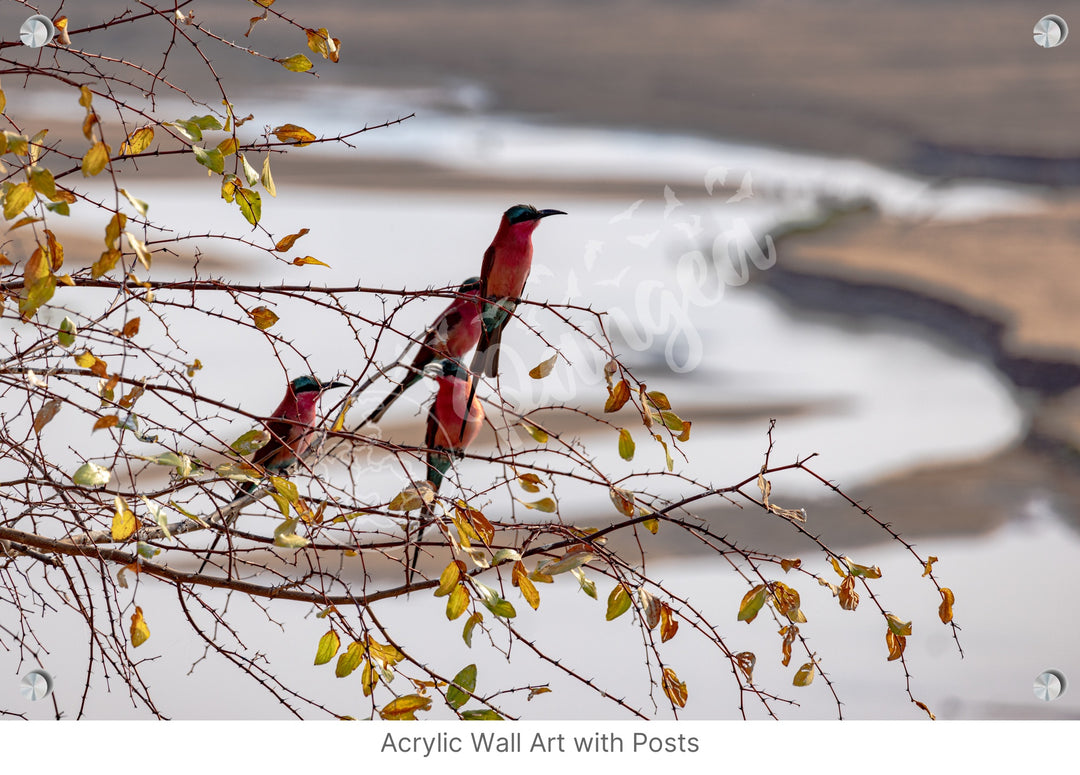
<point>452,335</point>
<point>292,430</point>
<point>507,263</point>
<point>450,430</point>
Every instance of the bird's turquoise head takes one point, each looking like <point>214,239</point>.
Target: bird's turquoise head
<point>308,384</point>
<point>525,213</point>
<point>472,285</point>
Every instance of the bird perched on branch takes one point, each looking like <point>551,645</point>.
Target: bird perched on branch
<point>507,263</point>
<point>452,335</point>
<point>450,430</point>
<point>292,430</point>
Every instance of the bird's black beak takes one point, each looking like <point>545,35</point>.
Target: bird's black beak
<point>546,213</point>
<point>332,385</point>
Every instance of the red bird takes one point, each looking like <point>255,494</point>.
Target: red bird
<point>507,263</point>
<point>452,335</point>
<point>450,430</point>
<point>292,430</point>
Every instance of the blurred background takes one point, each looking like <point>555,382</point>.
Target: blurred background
<point>856,218</point>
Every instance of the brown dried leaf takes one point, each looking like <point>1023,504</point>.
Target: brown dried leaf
<point>674,688</point>
<point>46,413</point>
<point>618,396</point>
<point>849,598</point>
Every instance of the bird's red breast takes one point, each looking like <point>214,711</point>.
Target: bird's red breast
<point>445,427</point>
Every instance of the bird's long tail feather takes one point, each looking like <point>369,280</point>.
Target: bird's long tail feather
<point>393,396</point>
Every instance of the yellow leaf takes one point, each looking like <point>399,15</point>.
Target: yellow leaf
<point>305,260</point>
<point>123,523</point>
<point>141,251</point>
<point>928,713</point>
<point>626,444</point>
<point>42,181</point>
<point>16,199</point>
<point>320,42</point>
<point>787,565</point>
<point>520,579</point>
<point>449,578</point>
<point>929,567</point>
<point>618,603</point>
<point>264,318</point>
<point>945,612</point>
<point>470,625</point>
<point>652,525</point>
<point>457,603</point>
<point>674,688</point>
<point>114,228</point>
<point>138,141</point>
<point>297,63</point>
<point>95,159</point>
<point>538,434</point>
<point>805,675</point>
<point>291,133</point>
<point>405,708</point>
<point>328,647</point>
<point>650,607</point>
<point>546,505</point>
<point>668,625</point>
<point>139,631</point>
<point>413,497</point>
<point>266,178</point>
<point>897,626</point>
<point>228,146</point>
<point>544,368</point>
<point>106,263</point>
<point>618,396</point>
<point>896,644</point>
<point>350,660</point>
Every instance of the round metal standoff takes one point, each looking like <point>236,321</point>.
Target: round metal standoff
<point>37,31</point>
<point>36,685</point>
<point>1050,31</point>
<point>1049,685</point>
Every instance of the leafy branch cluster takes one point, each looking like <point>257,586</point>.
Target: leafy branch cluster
<point>118,463</point>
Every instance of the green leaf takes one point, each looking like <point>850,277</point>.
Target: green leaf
<point>250,203</point>
<point>466,680</point>
<point>250,442</point>
<point>297,63</point>
<point>588,586</point>
<point>626,444</point>
<point>212,159</point>
<point>250,174</point>
<point>159,513</point>
<point>497,605</point>
<point>487,714</point>
<point>618,603</point>
<point>474,620</point>
<point>328,647</point>
<point>92,475</point>
<point>752,602</point>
